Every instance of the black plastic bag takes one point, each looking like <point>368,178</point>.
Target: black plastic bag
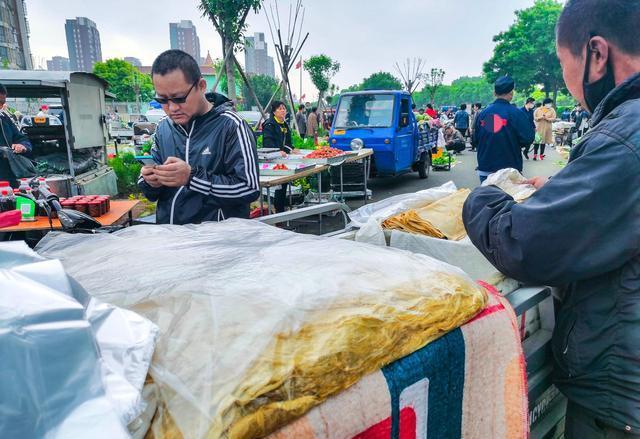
<point>21,166</point>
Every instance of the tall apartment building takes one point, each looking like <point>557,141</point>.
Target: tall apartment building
<point>83,43</point>
<point>15,52</point>
<point>58,64</point>
<point>183,36</point>
<point>133,61</point>
<point>256,56</point>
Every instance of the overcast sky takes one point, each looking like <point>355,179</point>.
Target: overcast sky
<point>365,36</point>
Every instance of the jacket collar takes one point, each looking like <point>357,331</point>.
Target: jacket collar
<point>501,101</point>
<point>629,89</point>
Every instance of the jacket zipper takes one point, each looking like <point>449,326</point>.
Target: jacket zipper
<point>175,197</point>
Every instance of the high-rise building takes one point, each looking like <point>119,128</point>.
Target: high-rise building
<point>183,36</point>
<point>14,35</point>
<point>58,64</point>
<point>133,61</point>
<point>83,42</point>
<point>256,56</point>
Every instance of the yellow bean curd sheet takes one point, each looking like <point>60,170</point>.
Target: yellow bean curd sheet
<point>259,325</point>
<point>441,219</point>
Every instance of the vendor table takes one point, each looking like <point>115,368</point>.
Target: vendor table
<point>119,209</point>
<point>269,182</point>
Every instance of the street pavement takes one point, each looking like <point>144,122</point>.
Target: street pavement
<point>463,174</point>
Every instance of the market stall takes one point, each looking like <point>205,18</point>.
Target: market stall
<point>276,170</point>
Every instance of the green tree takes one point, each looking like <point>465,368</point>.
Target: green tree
<point>381,81</point>
<point>465,89</point>
<point>264,86</point>
<point>224,84</point>
<point>125,81</point>
<point>433,81</point>
<point>322,69</point>
<point>527,50</point>
<point>229,19</point>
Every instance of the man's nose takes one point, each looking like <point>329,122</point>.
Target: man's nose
<point>173,106</point>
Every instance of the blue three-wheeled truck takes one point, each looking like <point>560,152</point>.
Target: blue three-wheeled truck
<point>384,122</point>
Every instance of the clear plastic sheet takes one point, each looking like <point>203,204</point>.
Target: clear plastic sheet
<point>258,325</point>
<point>512,182</point>
<point>369,218</point>
<point>50,372</point>
<point>82,362</point>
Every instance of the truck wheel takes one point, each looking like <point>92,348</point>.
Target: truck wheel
<point>424,166</point>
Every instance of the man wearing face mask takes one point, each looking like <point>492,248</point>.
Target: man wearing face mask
<point>580,231</point>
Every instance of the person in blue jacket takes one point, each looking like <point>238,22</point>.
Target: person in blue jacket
<point>461,120</point>
<point>500,132</point>
<point>580,231</point>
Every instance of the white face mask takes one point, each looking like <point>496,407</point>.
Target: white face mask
<point>548,106</point>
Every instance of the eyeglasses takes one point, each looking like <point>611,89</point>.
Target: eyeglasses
<point>176,100</point>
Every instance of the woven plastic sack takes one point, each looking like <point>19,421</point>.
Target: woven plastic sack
<point>259,325</point>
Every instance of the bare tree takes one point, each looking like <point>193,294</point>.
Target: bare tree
<point>433,82</point>
<point>411,73</point>
<point>287,49</point>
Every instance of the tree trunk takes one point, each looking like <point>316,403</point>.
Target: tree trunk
<point>231,78</point>
<point>555,94</point>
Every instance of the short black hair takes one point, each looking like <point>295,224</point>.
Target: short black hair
<point>3,90</point>
<point>463,107</point>
<point>538,104</point>
<point>314,109</point>
<point>530,100</point>
<point>174,59</point>
<point>413,106</point>
<point>301,107</point>
<point>275,105</point>
<point>478,105</point>
<point>547,101</point>
<point>430,107</point>
<point>614,20</point>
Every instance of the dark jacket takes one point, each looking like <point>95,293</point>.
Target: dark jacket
<point>461,120</point>
<point>581,232</point>
<point>500,131</point>
<point>224,168</point>
<point>276,135</point>
<point>301,120</point>
<point>578,117</point>
<point>529,114</point>
<point>10,134</point>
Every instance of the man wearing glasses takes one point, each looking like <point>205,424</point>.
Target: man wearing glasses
<point>207,165</point>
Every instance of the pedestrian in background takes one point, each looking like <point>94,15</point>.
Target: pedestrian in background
<point>461,121</point>
<point>528,110</point>
<point>301,121</point>
<point>475,110</point>
<point>544,118</point>
<point>312,125</point>
<point>500,132</point>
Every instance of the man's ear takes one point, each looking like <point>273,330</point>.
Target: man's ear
<point>202,85</point>
<point>600,51</point>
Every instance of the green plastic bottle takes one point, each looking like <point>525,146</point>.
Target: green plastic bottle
<point>27,207</point>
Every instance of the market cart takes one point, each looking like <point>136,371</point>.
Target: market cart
<point>72,154</point>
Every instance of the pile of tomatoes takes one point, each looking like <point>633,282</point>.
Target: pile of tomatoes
<point>326,152</point>
<point>280,167</point>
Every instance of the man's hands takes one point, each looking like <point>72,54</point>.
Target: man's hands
<point>18,148</point>
<point>173,173</point>
<point>150,176</point>
<point>537,182</point>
